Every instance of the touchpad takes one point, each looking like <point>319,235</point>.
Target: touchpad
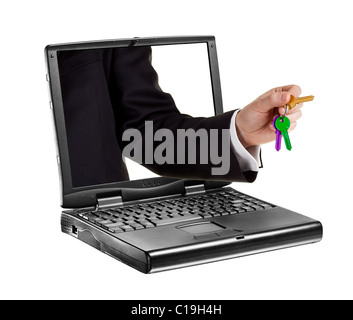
<point>205,227</point>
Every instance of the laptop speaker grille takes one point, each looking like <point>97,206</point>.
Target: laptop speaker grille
<point>66,224</point>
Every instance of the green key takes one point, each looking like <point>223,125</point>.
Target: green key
<point>282,124</point>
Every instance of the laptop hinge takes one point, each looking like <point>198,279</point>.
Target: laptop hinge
<point>199,188</point>
<point>104,203</point>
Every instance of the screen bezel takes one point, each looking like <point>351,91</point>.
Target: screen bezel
<point>86,196</point>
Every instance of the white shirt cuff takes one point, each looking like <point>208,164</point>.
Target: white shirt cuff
<point>249,159</point>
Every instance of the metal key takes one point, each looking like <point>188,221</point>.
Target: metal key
<point>283,124</point>
<point>278,135</point>
<point>294,101</point>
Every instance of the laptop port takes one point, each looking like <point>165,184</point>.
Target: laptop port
<point>74,230</point>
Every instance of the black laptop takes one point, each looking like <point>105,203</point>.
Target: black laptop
<point>149,222</point>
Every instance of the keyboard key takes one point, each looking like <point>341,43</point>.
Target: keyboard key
<point>247,208</point>
<point>265,206</point>
<point>256,207</point>
<point>114,225</point>
<point>236,206</point>
<point>126,228</point>
<point>217,214</point>
<point>90,214</point>
<point>236,201</point>
<point>115,230</point>
<point>153,220</point>
<point>161,214</point>
<point>205,215</point>
<point>103,223</point>
<point>137,226</point>
<point>147,224</point>
<point>177,219</point>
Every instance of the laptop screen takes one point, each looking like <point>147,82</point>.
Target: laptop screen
<point>108,91</point>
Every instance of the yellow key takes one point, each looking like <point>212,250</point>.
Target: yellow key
<point>294,101</point>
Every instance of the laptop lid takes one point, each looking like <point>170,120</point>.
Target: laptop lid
<point>83,90</point>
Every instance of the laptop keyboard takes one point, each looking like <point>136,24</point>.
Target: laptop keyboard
<point>164,212</point>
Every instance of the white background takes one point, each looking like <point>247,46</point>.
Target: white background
<point>184,72</point>
<point>261,44</point>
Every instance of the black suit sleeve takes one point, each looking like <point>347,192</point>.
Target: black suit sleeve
<point>136,97</point>
<point>95,156</point>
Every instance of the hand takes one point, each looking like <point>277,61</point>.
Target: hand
<point>254,122</point>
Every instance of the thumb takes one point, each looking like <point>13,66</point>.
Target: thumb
<point>273,100</point>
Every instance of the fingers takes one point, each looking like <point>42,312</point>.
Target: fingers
<point>271,127</point>
<point>277,97</point>
<point>294,116</point>
<point>293,125</point>
<point>267,101</point>
<point>293,89</point>
<point>282,110</point>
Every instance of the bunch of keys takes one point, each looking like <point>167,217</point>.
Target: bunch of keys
<point>282,123</point>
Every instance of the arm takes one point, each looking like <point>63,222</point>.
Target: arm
<point>137,98</point>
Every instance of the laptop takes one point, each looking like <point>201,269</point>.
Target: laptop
<point>152,220</point>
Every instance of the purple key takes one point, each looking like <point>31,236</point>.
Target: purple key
<point>278,135</point>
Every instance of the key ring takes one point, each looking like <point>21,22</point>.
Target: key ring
<point>287,106</point>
